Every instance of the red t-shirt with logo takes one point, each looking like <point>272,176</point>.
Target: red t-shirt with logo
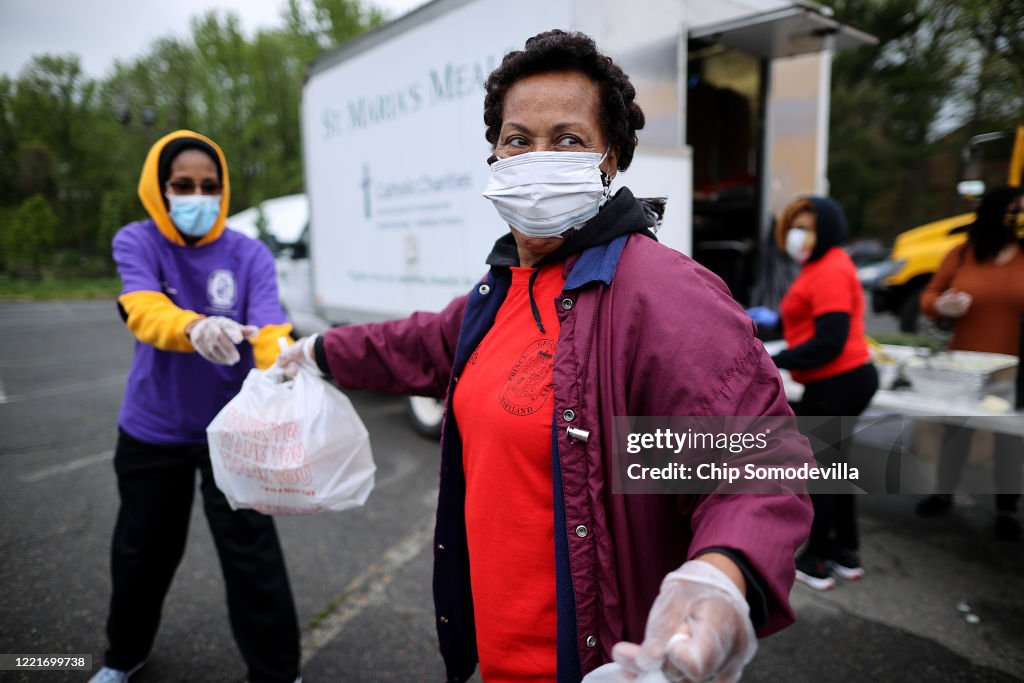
<point>827,285</point>
<point>503,404</point>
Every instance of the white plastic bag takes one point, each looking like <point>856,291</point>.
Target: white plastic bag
<point>292,446</point>
<point>614,673</point>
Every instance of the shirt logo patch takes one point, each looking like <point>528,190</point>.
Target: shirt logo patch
<point>221,289</point>
<point>529,382</point>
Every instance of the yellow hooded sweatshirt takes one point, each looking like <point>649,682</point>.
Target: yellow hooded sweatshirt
<point>151,315</point>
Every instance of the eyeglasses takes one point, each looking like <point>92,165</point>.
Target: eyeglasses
<point>184,186</point>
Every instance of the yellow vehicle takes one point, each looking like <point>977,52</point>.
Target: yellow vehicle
<point>917,253</point>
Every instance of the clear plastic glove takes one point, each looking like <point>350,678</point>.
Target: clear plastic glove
<point>699,629</point>
<point>763,316</point>
<point>616,673</point>
<point>215,338</point>
<point>299,354</point>
<point>952,303</point>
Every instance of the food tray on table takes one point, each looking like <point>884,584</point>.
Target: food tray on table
<point>962,374</point>
<point>889,360</point>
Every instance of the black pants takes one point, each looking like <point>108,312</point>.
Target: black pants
<point>1008,458</point>
<point>848,394</point>
<point>156,484</point>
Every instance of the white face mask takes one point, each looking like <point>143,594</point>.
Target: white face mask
<point>544,194</point>
<point>796,238</point>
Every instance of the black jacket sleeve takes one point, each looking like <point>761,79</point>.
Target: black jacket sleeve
<point>320,354</point>
<point>755,591</point>
<point>831,331</point>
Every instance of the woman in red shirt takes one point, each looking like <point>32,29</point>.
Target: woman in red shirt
<point>822,318</point>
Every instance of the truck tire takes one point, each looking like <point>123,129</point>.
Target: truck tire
<point>426,415</point>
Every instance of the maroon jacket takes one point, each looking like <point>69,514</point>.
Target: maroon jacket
<point>644,331</point>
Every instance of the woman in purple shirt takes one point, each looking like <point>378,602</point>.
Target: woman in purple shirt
<point>202,304</point>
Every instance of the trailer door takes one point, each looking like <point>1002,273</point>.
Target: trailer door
<point>757,95</point>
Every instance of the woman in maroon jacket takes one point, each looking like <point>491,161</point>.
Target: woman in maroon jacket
<point>539,569</point>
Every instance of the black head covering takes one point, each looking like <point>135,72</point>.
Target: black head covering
<point>989,232</point>
<point>175,147</point>
<point>829,226</point>
<point>993,206</point>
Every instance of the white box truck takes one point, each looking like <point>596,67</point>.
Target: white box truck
<point>736,98</point>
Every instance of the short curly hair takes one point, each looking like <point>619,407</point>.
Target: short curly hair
<point>556,51</point>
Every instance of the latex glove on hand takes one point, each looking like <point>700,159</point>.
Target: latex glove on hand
<point>953,304</point>
<point>698,630</point>
<point>615,673</point>
<point>299,354</point>
<point>215,338</point>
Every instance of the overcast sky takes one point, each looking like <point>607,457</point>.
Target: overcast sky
<point>101,31</point>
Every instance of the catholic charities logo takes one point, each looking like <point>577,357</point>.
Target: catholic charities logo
<point>221,289</point>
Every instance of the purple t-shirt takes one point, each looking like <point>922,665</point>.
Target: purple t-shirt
<point>172,396</point>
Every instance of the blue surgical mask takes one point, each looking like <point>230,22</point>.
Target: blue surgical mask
<point>194,214</point>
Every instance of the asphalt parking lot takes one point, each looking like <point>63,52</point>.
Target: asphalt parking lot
<point>362,578</point>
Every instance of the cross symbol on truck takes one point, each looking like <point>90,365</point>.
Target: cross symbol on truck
<point>366,191</point>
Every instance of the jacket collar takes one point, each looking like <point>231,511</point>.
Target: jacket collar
<point>596,264</point>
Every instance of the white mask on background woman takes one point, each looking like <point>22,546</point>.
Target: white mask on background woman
<point>544,194</point>
<point>796,239</point>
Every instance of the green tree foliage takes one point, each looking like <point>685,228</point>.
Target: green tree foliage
<point>52,115</point>
<point>994,91</point>
<point>8,139</point>
<point>27,236</point>
<point>943,70</point>
<point>79,143</point>
<point>884,101</point>
<point>36,170</point>
<point>115,211</point>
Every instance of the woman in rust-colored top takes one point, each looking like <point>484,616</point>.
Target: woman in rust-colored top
<point>980,285</point>
<point>989,270</point>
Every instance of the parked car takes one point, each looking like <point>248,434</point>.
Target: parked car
<point>283,223</point>
<point>915,257</point>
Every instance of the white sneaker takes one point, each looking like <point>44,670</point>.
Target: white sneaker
<point>846,564</point>
<point>108,675</point>
<point>816,582</point>
<point>813,571</point>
